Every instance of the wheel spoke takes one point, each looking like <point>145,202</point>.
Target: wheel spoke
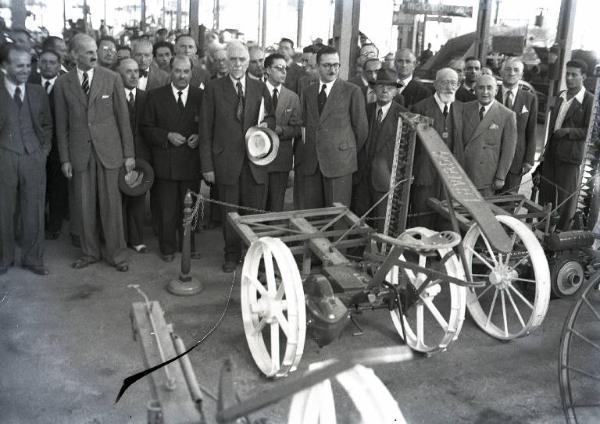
<point>481,258</point>
<point>585,339</point>
<point>420,319</point>
<point>589,305</point>
<point>436,314</point>
<point>257,285</point>
<point>489,317</point>
<point>489,248</point>
<point>261,324</point>
<point>504,312</point>
<point>284,323</point>
<point>526,280</point>
<point>270,272</point>
<point>280,291</point>
<point>512,245</point>
<point>518,293</point>
<point>484,291</point>
<point>520,262</point>
<point>512,301</point>
<point>275,363</point>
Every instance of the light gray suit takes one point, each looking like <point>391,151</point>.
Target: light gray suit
<point>489,144</point>
<point>94,135</point>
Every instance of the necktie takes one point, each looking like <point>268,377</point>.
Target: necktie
<point>322,99</point>
<point>85,84</point>
<point>239,112</point>
<point>47,86</point>
<point>17,97</point>
<point>179,101</point>
<point>509,101</point>
<point>379,116</point>
<point>481,113</point>
<point>445,112</point>
<point>143,73</point>
<point>131,103</point>
<point>275,98</point>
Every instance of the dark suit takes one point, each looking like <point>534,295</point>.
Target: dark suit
<point>489,145</point>
<point>304,82</point>
<point>372,180</point>
<point>326,159</point>
<point>413,93</point>
<point>25,140</point>
<point>525,106</point>
<point>134,207</point>
<point>94,135</point>
<point>200,77</point>
<point>563,156</point>
<point>156,77</point>
<point>222,148</point>
<point>465,95</point>
<point>293,75</point>
<point>427,182</point>
<point>288,116</point>
<point>57,185</point>
<point>176,168</point>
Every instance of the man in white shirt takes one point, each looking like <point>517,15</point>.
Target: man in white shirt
<point>412,90</point>
<point>565,148</point>
<point>150,76</point>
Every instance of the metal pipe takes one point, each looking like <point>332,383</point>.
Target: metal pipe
<point>188,370</point>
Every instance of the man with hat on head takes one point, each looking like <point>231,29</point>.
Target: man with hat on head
<point>288,119</point>
<point>231,106</point>
<point>447,121</point>
<point>134,206</point>
<point>335,117</point>
<point>170,128</point>
<point>372,180</point>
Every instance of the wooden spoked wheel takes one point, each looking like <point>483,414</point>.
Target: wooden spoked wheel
<point>372,400</point>
<point>273,307</point>
<point>515,297</point>
<point>433,318</point>
<point>579,378</point>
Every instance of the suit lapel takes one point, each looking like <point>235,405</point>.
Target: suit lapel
<point>331,99</point>
<point>97,84</point>
<point>486,121</point>
<point>575,106</point>
<point>281,103</point>
<point>75,87</point>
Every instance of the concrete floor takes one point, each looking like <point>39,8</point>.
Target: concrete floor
<point>67,344</point>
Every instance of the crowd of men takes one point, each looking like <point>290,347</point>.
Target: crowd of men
<point>85,112</point>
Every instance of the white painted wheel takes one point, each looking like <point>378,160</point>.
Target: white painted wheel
<point>515,298</point>
<point>434,320</point>
<point>372,400</point>
<point>273,312</point>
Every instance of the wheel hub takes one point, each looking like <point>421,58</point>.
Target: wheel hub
<point>502,276</point>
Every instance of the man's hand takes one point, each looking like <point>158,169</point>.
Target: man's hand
<point>193,141</point>
<point>67,170</point>
<point>498,184</point>
<point>526,168</point>
<point>209,177</point>
<point>176,139</point>
<point>561,132</point>
<point>129,164</point>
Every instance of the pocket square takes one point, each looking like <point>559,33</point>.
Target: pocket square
<point>524,110</point>
<point>494,127</point>
<point>105,96</point>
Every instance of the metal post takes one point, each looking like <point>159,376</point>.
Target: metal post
<point>263,41</point>
<point>193,24</point>
<point>484,16</point>
<point>345,34</point>
<point>216,8</point>
<point>300,18</point>
<point>186,285</point>
<point>18,13</point>
<point>142,17</point>
<point>178,16</point>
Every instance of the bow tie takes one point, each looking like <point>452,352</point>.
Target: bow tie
<point>143,73</point>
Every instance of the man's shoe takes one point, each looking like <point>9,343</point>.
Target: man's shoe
<point>167,258</point>
<point>122,267</point>
<point>229,266</point>
<point>37,269</point>
<point>83,262</point>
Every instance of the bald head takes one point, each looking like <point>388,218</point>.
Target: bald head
<point>485,89</point>
<point>238,58</point>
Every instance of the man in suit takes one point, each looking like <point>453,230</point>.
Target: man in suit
<point>163,52</point>
<point>150,76</point>
<point>185,45</point>
<point>310,69</point>
<point>288,119</point>
<point>372,180</point>
<point>231,106</point>
<point>256,66</point>
<point>57,188</point>
<point>369,73</point>
<point>489,137</point>
<point>294,71</point>
<point>412,90</point>
<point>336,124</point>
<point>25,139</point>
<point>107,52</point>
<point>170,127</point>
<point>447,121</point>
<point>134,206</point>
<point>94,140</point>
<point>466,91</point>
<point>521,100</point>
<point>565,147</point>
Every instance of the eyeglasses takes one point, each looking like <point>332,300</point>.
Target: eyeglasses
<point>330,65</point>
<point>279,68</point>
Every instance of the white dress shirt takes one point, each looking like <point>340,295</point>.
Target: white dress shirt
<point>184,93</point>
<point>512,90</point>
<point>486,109</point>
<point>565,105</point>
<point>11,87</point>
<point>51,81</point>
<point>234,81</point>
<point>384,110</point>
<point>271,87</point>
<point>143,81</point>
<point>90,73</point>
<point>328,86</point>
<point>134,92</point>
<point>441,104</point>
<point>404,82</point>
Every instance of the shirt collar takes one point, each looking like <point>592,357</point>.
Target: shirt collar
<point>406,80</point>
<point>234,81</point>
<point>579,96</point>
<point>184,91</point>
<point>255,78</point>
<point>271,87</point>
<point>90,73</point>
<point>364,81</point>
<point>328,85</point>
<point>11,87</point>
<point>486,108</point>
<point>440,103</point>
<point>50,80</point>
<point>512,90</point>
<point>134,91</point>
<point>384,109</point>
